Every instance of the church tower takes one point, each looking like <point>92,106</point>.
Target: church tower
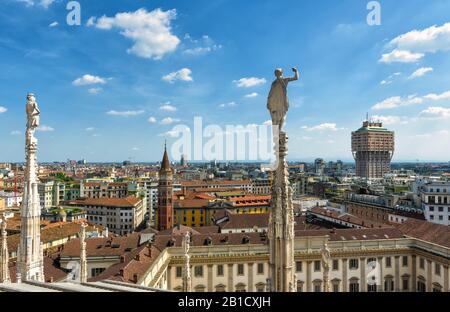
<point>165,191</point>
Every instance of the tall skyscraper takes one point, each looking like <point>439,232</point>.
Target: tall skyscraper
<point>165,190</point>
<point>372,148</point>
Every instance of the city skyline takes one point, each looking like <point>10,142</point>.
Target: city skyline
<point>120,100</point>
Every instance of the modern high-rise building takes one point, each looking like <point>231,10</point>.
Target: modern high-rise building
<point>372,148</point>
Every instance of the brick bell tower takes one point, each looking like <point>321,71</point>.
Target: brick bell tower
<point>165,191</point>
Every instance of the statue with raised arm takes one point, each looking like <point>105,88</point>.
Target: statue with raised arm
<point>32,112</point>
<point>278,102</point>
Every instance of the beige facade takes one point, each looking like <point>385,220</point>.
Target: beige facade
<point>400,265</point>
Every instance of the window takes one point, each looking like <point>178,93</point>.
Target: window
<point>421,287</point>
<point>299,286</point>
<point>260,268</point>
<point>179,271</point>
<point>405,261</point>
<point>353,264</point>
<point>389,284</point>
<point>240,287</point>
<point>298,266</point>
<point>354,285</point>
<point>437,287</point>
<point>317,265</point>
<point>371,287</point>
<point>388,261</point>
<point>335,265</point>
<point>240,269</point>
<point>317,285</point>
<point>220,270</point>
<point>422,263</point>
<point>405,283</point>
<point>97,271</point>
<point>335,286</point>
<point>437,269</point>
<point>260,287</point>
<point>198,271</point>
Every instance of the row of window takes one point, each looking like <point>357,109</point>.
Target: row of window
<point>198,270</point>
<point>353,264</point>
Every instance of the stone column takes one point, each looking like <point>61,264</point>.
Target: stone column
<point>380,287</point>
<point>4,254</point>
<point>397,272</point>
<point>413,287</point>
<point>250,277</point>
<point>429,276</point>
<point>344,275</point>
<point>446,278</point>
<point>308,281</point>
<point>210,277</point>
<point>363,274</point>
<point>413,273</point>
<point>230,278</point>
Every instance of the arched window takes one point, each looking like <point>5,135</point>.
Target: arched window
<point>220,288</point>
<point>240,287</point>
<point>354,284</point>
<point>200,288</point>
<point>300,286</point>
<point>335,285</point>
<point>317,285</point>
<point>437,287</point>
<point>388,283</point>
<point>421,284</point>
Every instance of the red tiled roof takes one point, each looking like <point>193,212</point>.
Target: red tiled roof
<point>129,201</point>
<point>426,231</point>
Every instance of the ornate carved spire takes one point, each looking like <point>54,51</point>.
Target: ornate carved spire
<point>83,258</point>
<point>30,262</point>
<point>281,220</point>
<point>187,281</point>
<point>326,258</point>
<point>4,255</point>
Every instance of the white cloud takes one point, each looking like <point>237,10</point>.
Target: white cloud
<point>385,82</point>
<point>401,56</point>
<point>150,31</point>
<point>45,128</point>
<point>91,21</point>
<point>267,123</point>
<point>152,120</point>
<point>135,149</point>
<point>169,120</point>
<point>171,134</point>
<point>88,80</point>
<point>436,113</point>
<point>3,109</point>
<point>200,46</point>
<point>323,127</point>
<point>438,97</point>
<point>43,3</point>
<point>90,129</point>
<point>168,107</point>
<point>306,138</point>
<point>125,113</point>
<point>249,82</point>
<point>183,74</point>
<point>428,40</point>
<point>390,120</point>
<point>229,104</point>
<point>95,90</point>
<point>251,95</point>
<point>54,24</point>
<point>420,72</point>
<point>397,101</point>
<point>16,132</point>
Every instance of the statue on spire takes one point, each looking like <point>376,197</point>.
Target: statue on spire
<point>4,255</point>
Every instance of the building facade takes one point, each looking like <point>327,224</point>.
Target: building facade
<point>435,197</point>
<point>372,148</point>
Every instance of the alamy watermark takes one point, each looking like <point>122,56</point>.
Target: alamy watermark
<point>225,143</point>
<point>374,16</point>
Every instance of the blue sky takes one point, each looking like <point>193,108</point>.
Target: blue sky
<point>113,88</point>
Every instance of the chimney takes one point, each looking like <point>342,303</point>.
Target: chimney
<point>50,280</point>
<point>122,259</point>
<point>135,278</point>
<point>149,249</point>
<point>138,257</point>
<point>121,272</point>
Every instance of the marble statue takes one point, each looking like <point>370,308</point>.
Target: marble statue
<point>281,219</point>
<point>33,112</point>
<point>278,102</point>
<point>4,254</point>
